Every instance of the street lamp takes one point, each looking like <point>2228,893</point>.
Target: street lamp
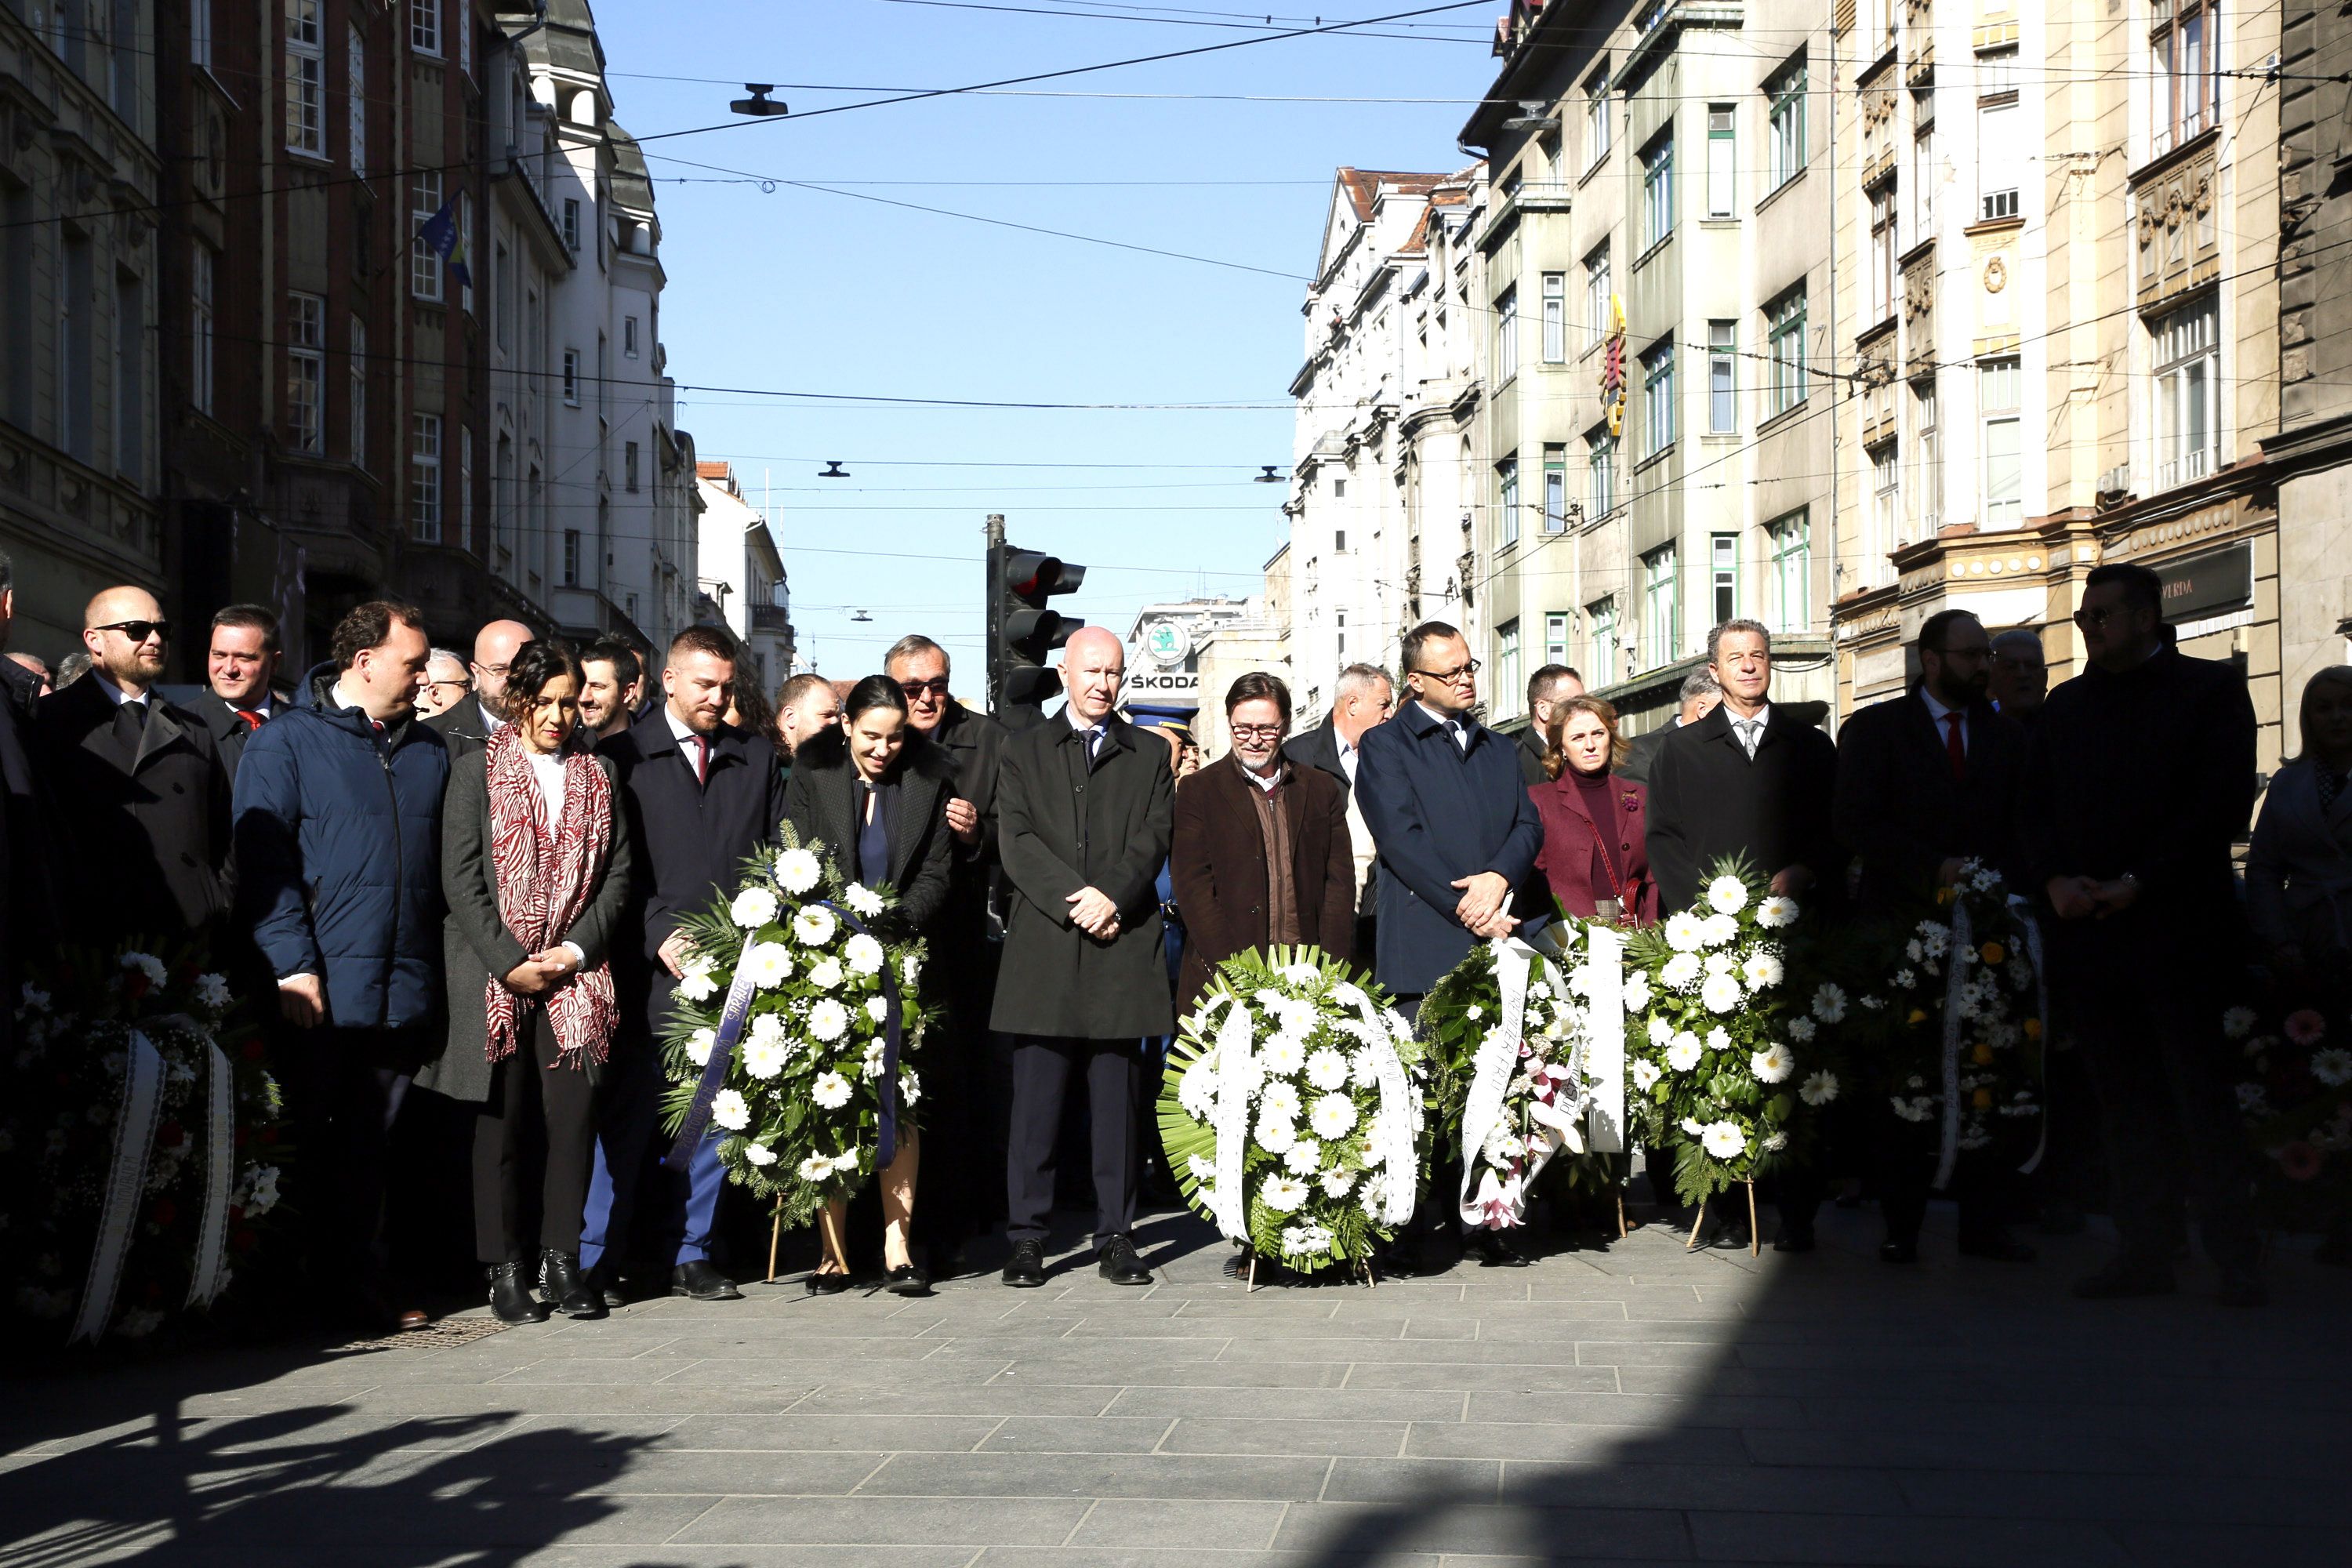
<point>834,470</point>
<point>1266,476</point>
<point>760,106</point>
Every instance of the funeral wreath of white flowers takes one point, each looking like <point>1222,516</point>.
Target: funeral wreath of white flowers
<point>1289,1112</point>
<point>815,979</point>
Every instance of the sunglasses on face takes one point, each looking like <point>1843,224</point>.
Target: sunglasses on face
<point>139,631</point>
<point>937,686</point>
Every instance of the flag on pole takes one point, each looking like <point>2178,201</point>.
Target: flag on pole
<point>440,235</point>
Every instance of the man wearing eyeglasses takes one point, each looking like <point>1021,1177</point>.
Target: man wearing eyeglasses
<point>965,1144</point>
<point>466,726</point>
<point>447,682</point>
<point>140,795</point>
<point>2140,779</point>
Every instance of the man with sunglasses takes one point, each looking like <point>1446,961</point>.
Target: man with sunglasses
<point>142,798</point>
<point>965,1142</point>
<point>2140,779</point>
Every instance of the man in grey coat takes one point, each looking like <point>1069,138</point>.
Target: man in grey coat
<point>1084,809</point>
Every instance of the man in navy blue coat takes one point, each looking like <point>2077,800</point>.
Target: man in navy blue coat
<point>703,796</point>
<point>1453,824</point>
<point>337,816</point>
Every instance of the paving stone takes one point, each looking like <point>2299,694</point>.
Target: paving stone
<point>1225,1435</point>
<point>1076,1434</point>
<point>992,1475</point>
<point>1901,1542</point>
<point>1413,1523</point>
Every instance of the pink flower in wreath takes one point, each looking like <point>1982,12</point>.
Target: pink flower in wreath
<point>2299,1161</point>
<point>2305,1027</point>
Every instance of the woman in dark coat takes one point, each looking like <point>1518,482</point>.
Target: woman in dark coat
<point>535,867</point>
<point>1592,859</point>
<point>876,794</point>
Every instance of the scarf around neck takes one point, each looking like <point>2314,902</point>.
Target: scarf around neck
<point>547,875</point>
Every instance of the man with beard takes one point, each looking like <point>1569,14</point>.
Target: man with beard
<point>466,727</point>
<point>1926,782</point>
<point>614,685</point>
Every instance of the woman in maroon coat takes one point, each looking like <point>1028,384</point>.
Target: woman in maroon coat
<point>1593,821</point>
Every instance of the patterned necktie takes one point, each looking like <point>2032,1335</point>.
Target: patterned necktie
<point>1750,733</point>
<point>1954,747</point>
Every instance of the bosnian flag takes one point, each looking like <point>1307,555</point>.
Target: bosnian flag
<point>440,235</point>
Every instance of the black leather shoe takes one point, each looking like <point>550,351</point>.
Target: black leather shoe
<point>1898,1252</point>
<point>565,1287</point>
<point>1998,1246</point>
<point>2126,1277</point>
<point>605,1280</point>
<point>2241,1288</point>
<point>827,1282</point>
<point>906,1279</point>
<point>511,1301</point>
<point>1794,1240</point>
<point>703,1282</point>
<point>1025,1270</point>
<point>1118,1264</point>
<point>1237,1268</point>
<point>1495,1252</point>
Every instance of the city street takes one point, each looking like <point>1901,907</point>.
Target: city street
<point>1640,1405</point>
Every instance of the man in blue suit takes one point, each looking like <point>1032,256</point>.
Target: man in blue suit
<point>1454,826</point>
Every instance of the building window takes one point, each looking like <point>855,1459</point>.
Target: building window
<point>1596,115</point>
<point>1885,501</point>
<point>502,305</point>
<point>1722,378</point>
<point>130,377</point>
<point>1998,394</point>
<point>571,377</point>
<point>1506,334</point>
<point>1556,637</point>
<point>1597,293</point>
<point>572,558</point>
<point>2186,52</point>
<point>355,63</point>
<point>2187,394</point>
<point>1339,488</point>
<point>424,261</point>
<point>1659,608</point>
<point>1508,681</point>
<point>1929,485</point>
<point>1785,336</point>
<point>200,312</point>
<point>1507,487</point>
<point>1339,628</point>
<point>629,337</point>
<point>356,369</point>
<point>1555,496</point>
<point>306,81</point>
<point>1555,317</point>
<point>2000,150</point>
<point>1338,542</point>
<point>1785,155</point>
<point>572,222</point>
<point>1723,576</point>
<point>200,33</point>
<point>1658,189</point>
<point>1602,616</point>
<point>1792,571</point>
<point>1658,399</point>
<point>305,343</point>
<point>1601,458</point>
<point>424,477</point>
<point>629,466</point>
<point>76,342</point>
<point>1720,162</point>
<point>425,26</point>
<point>1883,251</point>
<point>1925,178</point>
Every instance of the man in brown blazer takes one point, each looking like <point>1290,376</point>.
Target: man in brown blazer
<point>1260,854</point>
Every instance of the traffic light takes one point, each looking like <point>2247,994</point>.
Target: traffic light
<point>1022,632</point>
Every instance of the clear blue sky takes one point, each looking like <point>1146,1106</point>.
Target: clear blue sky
<point>818,293</point>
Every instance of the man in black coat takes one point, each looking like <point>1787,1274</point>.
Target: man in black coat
<point>1547,688</point>
<point>141,795</point>
<point>1926,782</point>
<point>1084,808</point>
<point>1362,697</point>
<point>964,1132</point>
<point>702,796</point>
<point>1700,694</point>
<point>466,726</point>
<point>240,675</point>
<point>2140,779</point>
<point>1749,780</point>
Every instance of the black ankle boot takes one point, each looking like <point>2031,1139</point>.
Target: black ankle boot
<point>565,1287</point>
<point>511,1298</point>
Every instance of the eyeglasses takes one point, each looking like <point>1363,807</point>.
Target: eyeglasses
<point>497,670</point>
<point>460,684</point>
<point>937,686</point>
<point>1258,732</point>
<point>139,631</point>
<point>1460,675</point>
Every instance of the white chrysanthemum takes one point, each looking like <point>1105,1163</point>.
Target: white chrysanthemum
<point>212,991</point>
<point>1284,1055</point>
<point>1935,939</point>
<point>1280,1099</point>
<point>146,964</point>
<point>862,954</point>
<point>1683,1054</point>
<point>764,1058</point>
<point>1693,1126</point>
<point>1776,912</point>
<point>753,907</point>
<point>1333,1115</point>
<point>830,1091</point>
<point>1905,979</point>
<point>698,1046</point>
<point>1326,1068</point>
<point>1646,1075</point>
<point>816,1168</point>
<point>696,981</point>
<point>1762,971</point>
<point>766,1026</point>
<point>1301,1240</point>
<point>798,870</point>
<point>1283,1194</point>
<point>1196,1092</point>
<point>1336,1183</point>
<point>1722,964</point>
<point>1773,1063</point>
<point>1684,931</point>
<point>729,1109</point>
<point>1680,971</point>
<point>1717,1038</point>
<point>2332,1066</point>
<point>1300,973</point>
<point>1660,1031</point>
<point>767,963</point>
<point>827,1020</point>
<point>1914,951</point>
<point>1820,1088</point>
<point>1399,1027</point>
<point>814,926</point>
<point>1719,930</point>
<point>911,1085</point>
<point>1349,995</point>
<point>759,1154</point>
<point>1724,1140</point>
<point>862,901</point>
<point>1276,1135</point>
<point>1801,1030</point>
<point>2238,1023</point>
<point>1727,894</point>
<point>1304,1158</point>
<point>1775,1142</point>
<point>1200,1169</point>
<point>910,969</point>
<point>1829,1003</point>
<point>825,975</point>
<point>1473,1012</point>
<point>1720,993</point>
<point>1637,992</point>
<point>877,1009</point>
<point>1363,1070</point>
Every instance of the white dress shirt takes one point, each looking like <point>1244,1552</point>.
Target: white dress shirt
<point>1937,710</point>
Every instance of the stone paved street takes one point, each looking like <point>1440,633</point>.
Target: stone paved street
<point>1640,1405</point>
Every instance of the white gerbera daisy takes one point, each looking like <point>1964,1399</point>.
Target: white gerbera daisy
<point>1905,979</point>
<point>753,907</point>
<point>1363,1070</point>
<point>1681,972</point>
<point>1762,971</point>
<point>814,926</point>
<point>1196,1092</point>
<point>1717,930</point>
<point>1801,1029</point>
<point>827,1020</point>
<point>1276,1135</point>
<point>1326,1068</point>
<point>1722,964</point>
<point>1773,1063</point>
<point>764,1058</point>
<point>1304,1158</point>
<point>768,964</point>
<point>1727,894</point>
<point>1682,1055</point>
<point>1280,1099</point>
<point>2238,1023</point>
<point>1776,912</point>
<point>2332,1066</point>
<point>1332,1117</point>
<point>863,955</point>
<point>1829,1003</point>
<point>816,1168</point>
<point>1660,1031</point>
<point>729,1111</point>
<point>212,991</point>
<point>1336,1183</point>
<point>1300,973</point>
<point>1718,1038</point>
<point>862,901</point>
<point>1684,931</point>
<point>696,979</point>
<point>698,1046</point>
<point>1693,1126</point>
<point>1720,993</point>
<point>759,1154</point>
<point>1819,1089</point>
<point>877,1009</point>
<point>1283,1194</point>
<point>830,1091</point>
<point>1284,1055</point>
<point>798,870</point>
<point>1645,1074</point>
<point>1724,1140</point>
<point>1637,992</point>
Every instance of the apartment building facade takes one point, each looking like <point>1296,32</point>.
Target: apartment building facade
<point>742,575</point>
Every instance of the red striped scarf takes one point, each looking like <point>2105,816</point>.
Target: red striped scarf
<point>545,879</point>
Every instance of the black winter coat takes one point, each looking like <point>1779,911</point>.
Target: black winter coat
<point>1902,814</point>
<point>1709,799</point>
<point>821,802</point>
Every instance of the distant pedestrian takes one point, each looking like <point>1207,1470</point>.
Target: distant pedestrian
<point>1594,860</point>
<point>1698,697</point>
<point>1547,688</point>
<point>1362,697</point>
<point>468,724</point>
<point>240,679</point>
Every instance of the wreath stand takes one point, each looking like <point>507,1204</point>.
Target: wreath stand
<point>1755,1242</point>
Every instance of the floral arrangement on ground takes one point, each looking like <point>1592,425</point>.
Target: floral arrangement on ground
<point>1719,1069</point>
<point>140,1156</point>
<point>1289,1112</point>
<point>816,1013</point>
<point>2294,1095</point>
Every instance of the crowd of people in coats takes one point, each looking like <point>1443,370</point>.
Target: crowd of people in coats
<point>456,885</point>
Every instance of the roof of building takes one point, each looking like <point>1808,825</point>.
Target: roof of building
<point>708,469</point>
<point>1363,185</point>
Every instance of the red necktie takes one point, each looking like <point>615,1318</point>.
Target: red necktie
<point>702,759</point>
<point>1953,748</point>
<point>252,719</point>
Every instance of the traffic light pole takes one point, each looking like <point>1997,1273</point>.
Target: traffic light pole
<point>994,596</point>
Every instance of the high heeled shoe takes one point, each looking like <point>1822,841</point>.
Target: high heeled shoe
<point>826,1282</point>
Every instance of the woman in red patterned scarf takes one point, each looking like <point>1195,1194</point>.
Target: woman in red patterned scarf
<point>535,867</point>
